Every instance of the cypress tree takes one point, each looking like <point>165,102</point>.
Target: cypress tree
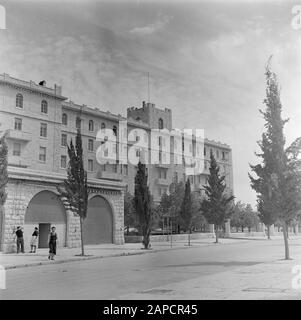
<point>186,210</point>
<point>142,204</point>
<point>75,187</point>
<point>278,175</point>
<point>217,206</point>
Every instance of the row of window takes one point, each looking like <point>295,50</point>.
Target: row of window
<point>123,168</point>
<point>42,156</point>
<point>64,163</point>
<point>223,153</point>
<point>43,133</point>
<point>91,125</point>
<point>43,127</point>
<point>19,103</point>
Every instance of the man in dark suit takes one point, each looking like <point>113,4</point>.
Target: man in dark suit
<point>20,240</point>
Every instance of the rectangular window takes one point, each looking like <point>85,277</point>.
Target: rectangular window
<point>18,124</point>
<point>17,149</point>
<point>106,152</point>
<point>114,148</point>
<point>90,145</point>
<point>42,154</point>
<point>217,153</point>
<point>162,173</point>
<point>90,165</point>
<point>115,168</point>
<point>126,171</point>
<point>64,162</point>
<point>204,151</point>
<point>43,130</point>
<point>64,140</point>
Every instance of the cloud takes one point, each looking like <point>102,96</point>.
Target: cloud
<point>152,28</point>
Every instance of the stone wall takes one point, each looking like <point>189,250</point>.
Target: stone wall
<point>21,192</point>
<point>175,237</point>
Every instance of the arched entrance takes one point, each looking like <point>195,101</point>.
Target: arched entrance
<point>45,210</point>
<point>98,225</point>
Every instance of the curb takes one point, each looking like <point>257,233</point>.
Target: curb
<point>36,264</point>
<point>125,253</point>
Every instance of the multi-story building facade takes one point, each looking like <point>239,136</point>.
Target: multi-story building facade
<point>33,118</point>
<point>39,122</point>
<point>163,173</point>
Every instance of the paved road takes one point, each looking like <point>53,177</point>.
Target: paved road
<point>113,278</point>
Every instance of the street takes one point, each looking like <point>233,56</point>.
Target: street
<point>138,275</point>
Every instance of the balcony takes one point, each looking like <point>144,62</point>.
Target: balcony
<point>18,135</point>
<point>162,165</point>
<point>162,182</point>
<point>16,161</point>
<point>109,175</point>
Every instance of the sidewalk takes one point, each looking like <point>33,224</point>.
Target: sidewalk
<point>258,282</point>
<point>13,260</point>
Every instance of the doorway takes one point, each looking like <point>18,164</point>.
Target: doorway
<point>44,229</point>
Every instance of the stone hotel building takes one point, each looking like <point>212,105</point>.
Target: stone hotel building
<point>40,121</point>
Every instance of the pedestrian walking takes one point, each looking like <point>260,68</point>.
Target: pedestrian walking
<point>20,240</point>
<point>52,243</point>
<point>34,240</point>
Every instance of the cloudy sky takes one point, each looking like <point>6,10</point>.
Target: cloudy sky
<point>206,61</point>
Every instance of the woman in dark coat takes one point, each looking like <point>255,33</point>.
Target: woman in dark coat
<point>52,243</point>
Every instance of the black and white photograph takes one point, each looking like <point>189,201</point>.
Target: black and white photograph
<point>150,150</point>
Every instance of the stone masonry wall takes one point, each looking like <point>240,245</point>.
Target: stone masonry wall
<point>19,195</point>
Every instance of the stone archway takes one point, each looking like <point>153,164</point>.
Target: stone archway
<point>98,225</point>
<point>43,211</point>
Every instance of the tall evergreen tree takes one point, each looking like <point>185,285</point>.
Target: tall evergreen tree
<point>278,176</point>
<point>143,204</point>
<point>177,190</point>
<point>164,208</point>
<point>198,221</point>
<point>129,212</point>
<point>75,187</point>
<point>217,206</point>
<point>186,210</point>
<point>3,179</point>
<point>266,214</point>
